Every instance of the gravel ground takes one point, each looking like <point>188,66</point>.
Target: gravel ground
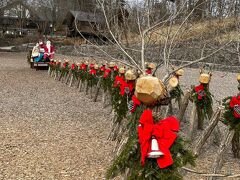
<point>50,131</point>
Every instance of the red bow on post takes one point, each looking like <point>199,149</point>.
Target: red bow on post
<point>93,72</point>
<point>106,73</point>
<point>73,66</point>
<point>149,71</point>
<point>163,131</point>
<point>118,81</point>
<point>235,105</point>
<point>102,68</point>
<point>200,91</point>
<point>136,103</point>
<point>83,66</point>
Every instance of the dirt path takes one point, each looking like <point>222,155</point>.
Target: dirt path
<point>48,130</point>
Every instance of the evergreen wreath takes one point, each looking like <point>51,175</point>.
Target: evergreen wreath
<point>129,158</point>
<point>229,118</point>
<point>176,93</point>
<point>203,100</point>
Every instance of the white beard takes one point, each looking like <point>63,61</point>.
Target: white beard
<point>48,47</point>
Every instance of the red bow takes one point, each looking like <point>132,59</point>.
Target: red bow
<point>136,103</point>
<point>118,81</point>
<point>93,72</point>
<point>106,73</point>
<point>73,66</point>
<point>91,66</point>
<point>115,68</point>
<point>83,66</point>
<point>200,91</point>
<point>149,71</point>
<point>102,68</point>
<point>65,64</point>
<point>234,104</point>
<point>164,132</point>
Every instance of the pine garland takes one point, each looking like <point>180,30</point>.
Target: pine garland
<point>129,158</point>
<point>64,69</point>
<point>176,93</point>
<point>204,105</point>
<point>229,119</point>
<point>119,104</point>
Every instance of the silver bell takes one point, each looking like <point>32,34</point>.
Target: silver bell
<point>155,152</point>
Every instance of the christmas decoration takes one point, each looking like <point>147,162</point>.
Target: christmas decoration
<point>151,141</point>
<point>232,119</point>
<point>164,132</point>
<point>64,70</point>
<point>203,100</point>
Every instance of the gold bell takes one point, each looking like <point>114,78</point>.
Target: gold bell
<point>155,152</point>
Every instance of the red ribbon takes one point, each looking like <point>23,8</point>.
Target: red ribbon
<point>83,66</point>
<point>235,101</point>
<point>91,66</point>
<point>115,68</point>
<point>136,103</point>
<point>200,91</point>
<point>65,64</point>
<point>118,81</point>
<point>102,68</point>
<point>149,71</point>
<point>93,72</point>
<point>73,66</point>
<point>106,73</point>
<point>164,132</point>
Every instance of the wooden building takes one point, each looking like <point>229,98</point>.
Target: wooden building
<point>89,24</point>
<point>17,17</point>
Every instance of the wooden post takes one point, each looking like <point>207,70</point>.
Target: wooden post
<point>205,135</point>
<point>183,106</point>
<point>236,144</point>
<point>192,121</point>
<point>79,80</point>
<point>200,118</point>
<point>80,86</point>
<point>56,75</point>
<point>217,165</point>
<point>67,78</point>
<point>104,98</point>
<point>49,70</point>
<point>98,89</point>
<point>169,110</point>
<point>71,80</point>
<point>87,87</point>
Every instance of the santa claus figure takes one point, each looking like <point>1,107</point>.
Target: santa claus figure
<point>49,51</point>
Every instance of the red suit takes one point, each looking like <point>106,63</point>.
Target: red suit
<point>48,52</point>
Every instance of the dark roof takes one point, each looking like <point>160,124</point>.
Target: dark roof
<point>43,16</point>
<point>87,17</point>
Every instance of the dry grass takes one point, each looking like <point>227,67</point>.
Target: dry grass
<point>217,30</point>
